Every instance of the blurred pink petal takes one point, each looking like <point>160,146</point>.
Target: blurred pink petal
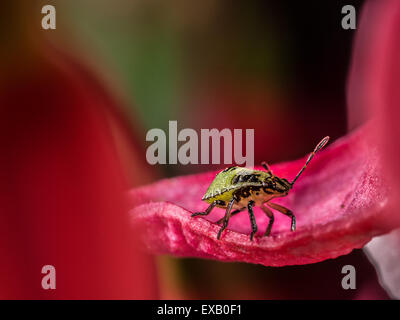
<point>62,182</point>
<point>339,205</point>
<point>373,84</point>
<point>373,90</point>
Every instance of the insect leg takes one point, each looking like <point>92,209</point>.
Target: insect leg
<point>232,214</point>
<point>208,210</point>
<point>226,218</point>
<point>252,219</point>
<point>270,215</point>
<point>286,212</point>
<point>266,167</point>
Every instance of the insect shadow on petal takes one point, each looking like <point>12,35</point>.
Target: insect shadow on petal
<point>236,189</point>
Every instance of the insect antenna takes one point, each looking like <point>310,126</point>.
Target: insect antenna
<point>319,146</point>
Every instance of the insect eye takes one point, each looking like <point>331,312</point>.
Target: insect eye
<point>285,182</point>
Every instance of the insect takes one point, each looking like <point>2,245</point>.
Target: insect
<point>239,188</point>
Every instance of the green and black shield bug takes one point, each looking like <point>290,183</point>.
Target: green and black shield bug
<point>238,188</point>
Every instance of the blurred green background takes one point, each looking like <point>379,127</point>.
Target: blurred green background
<point>277,67</point>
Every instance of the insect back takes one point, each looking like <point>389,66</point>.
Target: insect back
<point>227,182</point>
<point>221,187</point>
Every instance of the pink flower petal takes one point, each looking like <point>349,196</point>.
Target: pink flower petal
<point>373,84</point>
<point>62,182</point>
<point>338,203</point>
<point>373,91</point>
